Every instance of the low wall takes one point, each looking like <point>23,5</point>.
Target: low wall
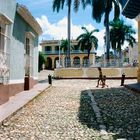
<point>93,72</point>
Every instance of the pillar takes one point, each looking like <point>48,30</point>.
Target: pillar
<point>53,62</point>
<point>81,60</point>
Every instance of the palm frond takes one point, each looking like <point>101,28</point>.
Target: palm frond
<point>76,5</point>
<point>116,9</point>
<point>58,4</point>
<point>98,9</point>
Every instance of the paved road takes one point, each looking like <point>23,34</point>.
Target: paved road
<point>43,75</point>
<point>62,112</point>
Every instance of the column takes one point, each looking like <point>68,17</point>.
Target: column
<point>81,60</point>
<point>53,62</point>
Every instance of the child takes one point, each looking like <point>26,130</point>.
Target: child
<point>104,80</point>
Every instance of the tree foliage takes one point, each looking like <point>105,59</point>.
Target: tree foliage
<point>41,61</point>
<point>86,40</point>
<point>102,8</point>
<point>119,33</point>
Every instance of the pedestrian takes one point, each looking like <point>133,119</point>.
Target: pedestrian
<point>100,79</point>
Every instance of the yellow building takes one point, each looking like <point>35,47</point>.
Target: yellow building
<point>132,10</point>
<point>52,53</point>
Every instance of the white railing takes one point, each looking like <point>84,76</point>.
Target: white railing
<point>73,63</point>
<point>113,63</point>
<point>4,67</point>
<point>86,63</point>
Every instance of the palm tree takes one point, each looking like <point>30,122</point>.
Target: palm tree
<point>64,45</point>
<point>102,8</point>
<point>87,39</point>
<point>119,33</point>
<point>57,5</point>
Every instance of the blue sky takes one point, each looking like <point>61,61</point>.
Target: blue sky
<point>54,25</point>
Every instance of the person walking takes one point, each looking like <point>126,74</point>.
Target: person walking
<point>100,79</point>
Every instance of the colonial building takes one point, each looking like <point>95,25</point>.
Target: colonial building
<point>78,58</point>
<point>130,54</point>
<point>19,33</point>
<point>132,10</point>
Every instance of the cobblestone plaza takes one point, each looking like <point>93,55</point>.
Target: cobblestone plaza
<point>65,111</point>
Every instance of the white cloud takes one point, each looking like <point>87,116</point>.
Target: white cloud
<point>59,30</point>
<point>132,22</point>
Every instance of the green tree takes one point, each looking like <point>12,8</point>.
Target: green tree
<point>41,61</point>
<point>87,40</point>
<point>63,45</point>
<point>102,8</point>
<point>57,5</point>
<point>119,33</point>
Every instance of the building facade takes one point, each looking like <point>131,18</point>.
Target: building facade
<point>19,33</point>
<point>54,56</point>
<point>131,10</point>
<point>130,54</point>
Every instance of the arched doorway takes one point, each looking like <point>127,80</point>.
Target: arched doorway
<point>85,62</point>
<point>48,64</point>
<point>56,62</point>
<point>76,61</point>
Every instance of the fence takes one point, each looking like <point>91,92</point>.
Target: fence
<point>87,63</point>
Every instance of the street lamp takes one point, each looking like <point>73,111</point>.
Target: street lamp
<point>59,52</point>
<point>104,56</point>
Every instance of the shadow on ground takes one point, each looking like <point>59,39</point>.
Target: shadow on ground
<point>43,81</point>
<point>120,110</point>
<point>86,114</point>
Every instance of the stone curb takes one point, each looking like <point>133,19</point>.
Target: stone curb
<point>103,132</point>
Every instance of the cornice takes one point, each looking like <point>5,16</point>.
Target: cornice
<point>5,19</point>
<point>55,42</point>
<point>26,15</point>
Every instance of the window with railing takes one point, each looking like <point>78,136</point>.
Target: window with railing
<point>48,48</point>
<point>56,48</point>
<point>4,53</point>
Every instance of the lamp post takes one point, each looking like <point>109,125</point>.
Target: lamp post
<point>59,52</point>
<point>104,56</point>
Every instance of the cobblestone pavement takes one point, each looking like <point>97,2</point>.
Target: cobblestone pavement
<point>62,112</point>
